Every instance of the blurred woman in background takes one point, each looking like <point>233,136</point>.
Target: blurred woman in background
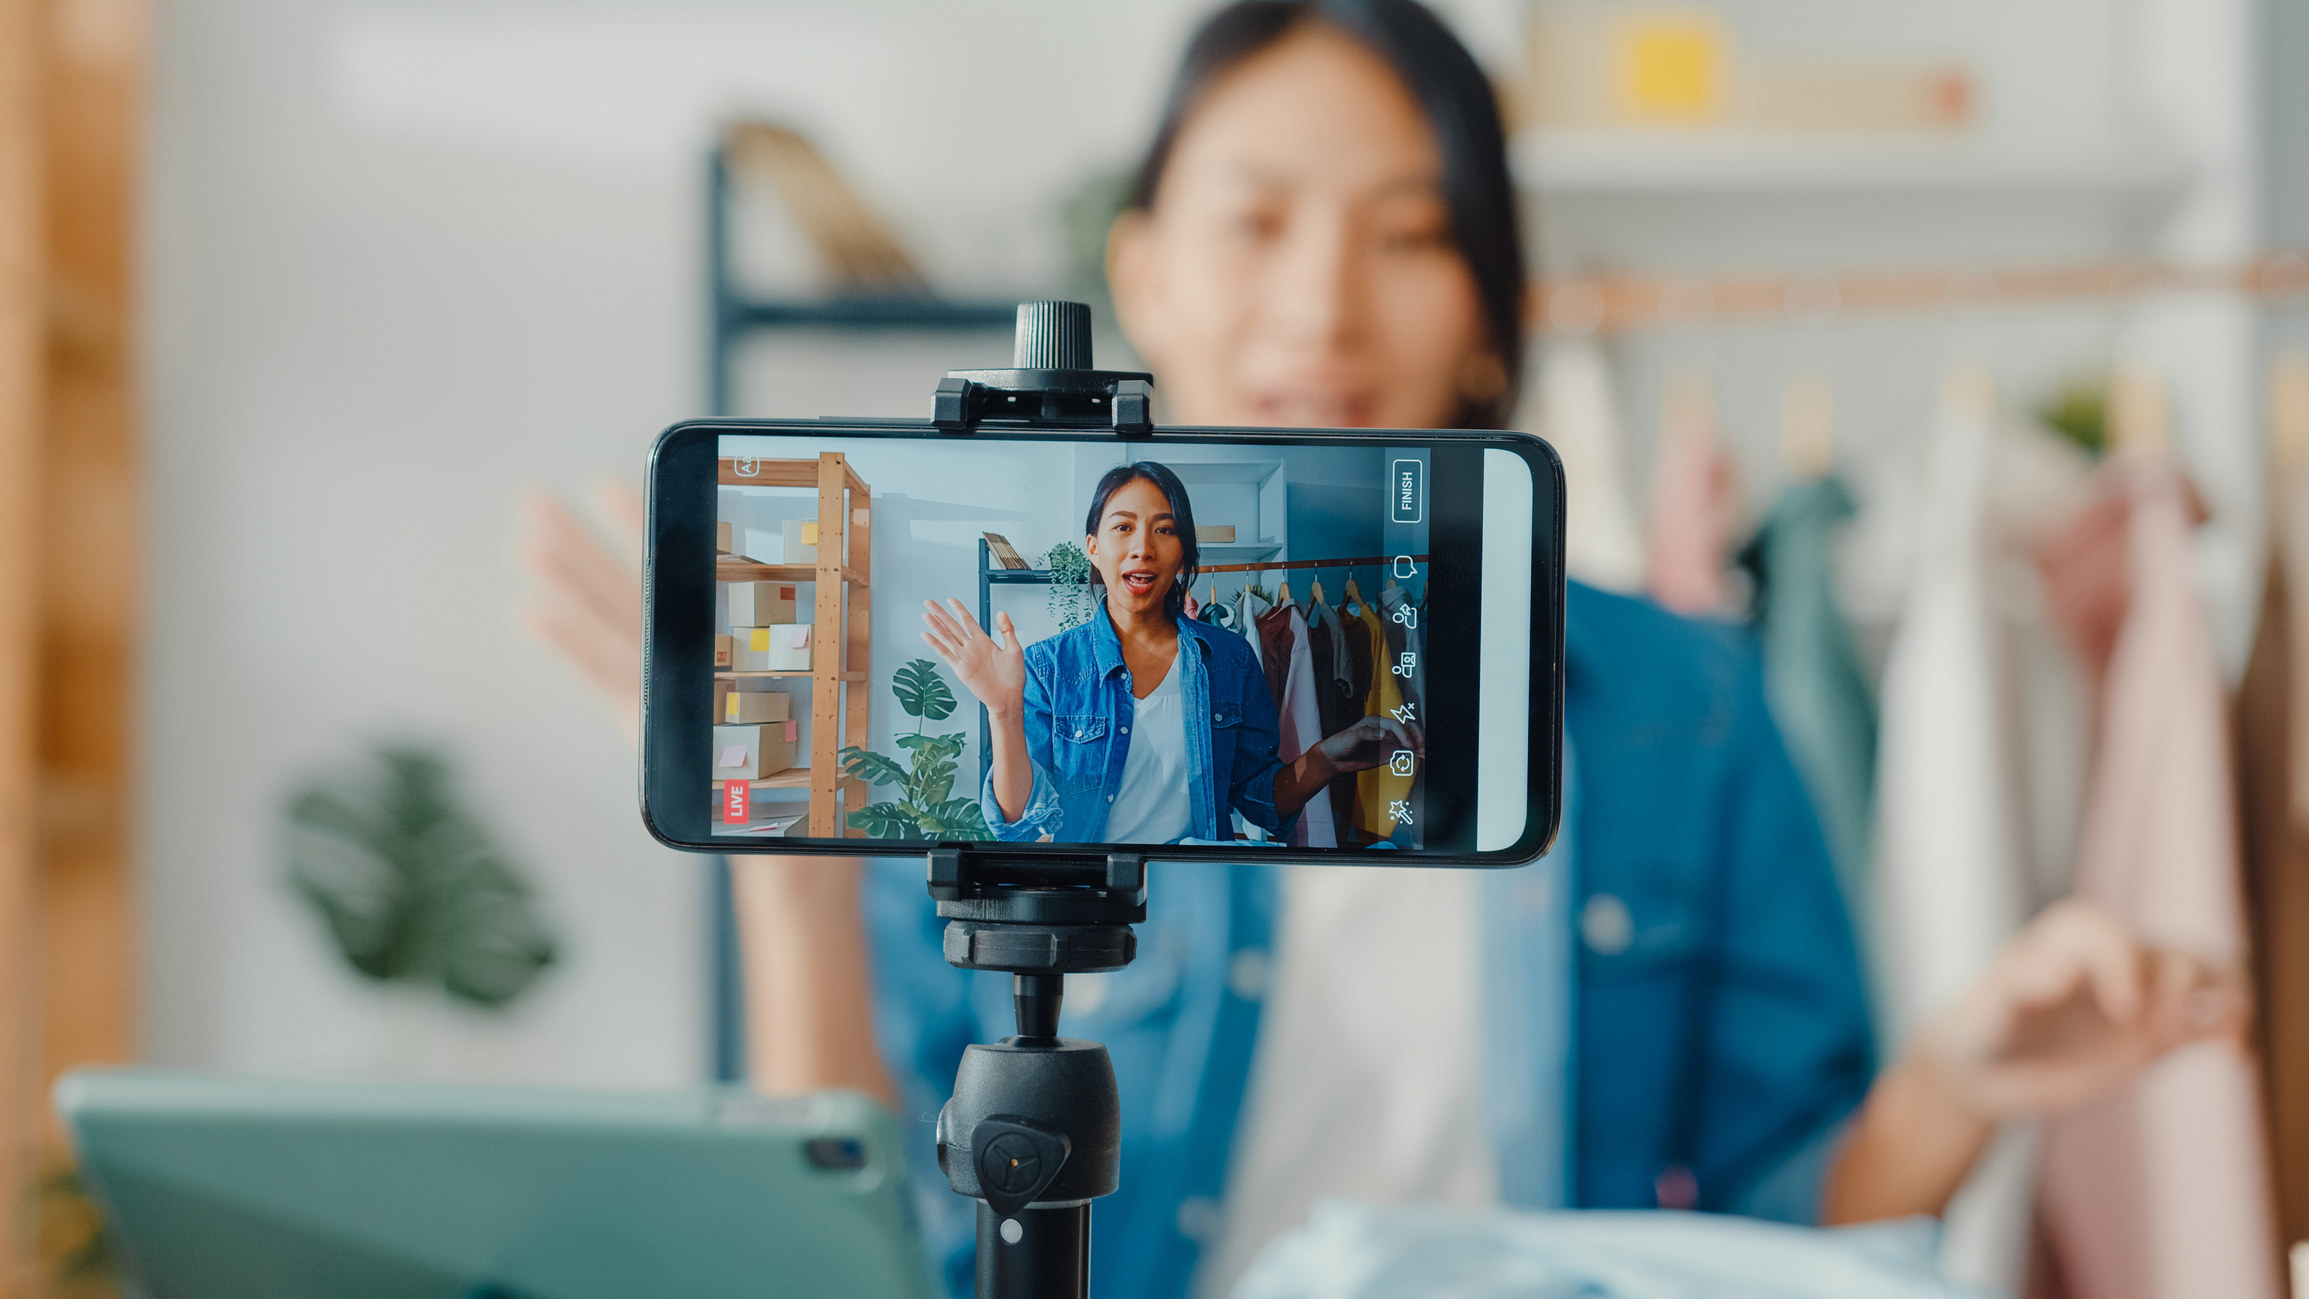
<point>1324,232</point>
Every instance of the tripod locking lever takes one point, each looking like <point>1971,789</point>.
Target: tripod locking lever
<point>1017,1158</point>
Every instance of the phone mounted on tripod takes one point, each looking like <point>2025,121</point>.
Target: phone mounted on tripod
<point>777,548</point>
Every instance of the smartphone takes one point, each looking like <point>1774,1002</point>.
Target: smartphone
<point>879,637</point>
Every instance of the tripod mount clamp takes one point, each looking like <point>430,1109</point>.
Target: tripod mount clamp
<point>1051,383</point>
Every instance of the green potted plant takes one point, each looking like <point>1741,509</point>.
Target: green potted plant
<point>926,807</point>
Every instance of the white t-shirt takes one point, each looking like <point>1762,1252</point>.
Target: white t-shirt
<point>1365,1084</point>
<point>1151,806</point>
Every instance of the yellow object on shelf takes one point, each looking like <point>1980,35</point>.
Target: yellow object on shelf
<point>1670,67</point>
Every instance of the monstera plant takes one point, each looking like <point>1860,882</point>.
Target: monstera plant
<point>926,807</point>
<point>411,886</point>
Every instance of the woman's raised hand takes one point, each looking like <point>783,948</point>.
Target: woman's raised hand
<point>994,670</point>
<point>1371,743</point>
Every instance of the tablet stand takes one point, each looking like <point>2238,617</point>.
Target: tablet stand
<point>1034,1131</point>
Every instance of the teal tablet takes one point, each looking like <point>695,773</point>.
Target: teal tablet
<point>218,1187</point>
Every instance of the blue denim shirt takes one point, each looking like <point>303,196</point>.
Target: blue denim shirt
<point>1079,708</point>
<point>1715,1034</point>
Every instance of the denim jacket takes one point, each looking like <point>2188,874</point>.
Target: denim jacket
<point>1079,708</point>
<point>1711,1043</point>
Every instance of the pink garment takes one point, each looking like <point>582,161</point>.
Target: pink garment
<point>1694,509</point>
<point>1302,723</point>
<point>2160,1191</point>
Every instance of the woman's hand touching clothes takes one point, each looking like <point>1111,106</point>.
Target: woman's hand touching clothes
<point>2072,1008</point>
<point>1369,743</point>
<point>2075,1006</point>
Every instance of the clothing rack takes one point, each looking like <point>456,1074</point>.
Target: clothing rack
<point>1577,306</point>
<point>1374,561</point>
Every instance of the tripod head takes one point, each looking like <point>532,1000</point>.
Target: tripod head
<point>1034,1131</point>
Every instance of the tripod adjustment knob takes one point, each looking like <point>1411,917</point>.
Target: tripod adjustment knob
<point>1052,336</point>
<point>1017,1159</point>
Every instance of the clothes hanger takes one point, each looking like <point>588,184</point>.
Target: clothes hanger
<point>2140,418</point>
<point>1354,598</point>
<point>2289,414</point>
<point>1808,426</point>
<point>1283,592</point>
<point>1315,591</point>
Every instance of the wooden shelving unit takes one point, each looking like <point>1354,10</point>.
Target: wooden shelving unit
<point>841,636</point>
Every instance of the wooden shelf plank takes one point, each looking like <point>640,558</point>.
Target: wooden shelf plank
<point>724,674</point>
<point>790,778</point>
<point>746,570</point>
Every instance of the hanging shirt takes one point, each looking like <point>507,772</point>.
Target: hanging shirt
<point>1949,890</point>
<point>2273,777</point>
<point>2160,1190</point>
<point>1694,508</point>
<point>1379,791</point>
<point>1603,543</point>
<point>1150,802</point>
<point>1819,687</point>
<point>1302,722</point>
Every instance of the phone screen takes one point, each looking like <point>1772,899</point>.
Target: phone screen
<point>1200,643</point>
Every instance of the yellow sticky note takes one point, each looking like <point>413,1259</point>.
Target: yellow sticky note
<point>1671,67</point>
<point>758,639</point>
<point>809,534</point>
<point>730,704</point>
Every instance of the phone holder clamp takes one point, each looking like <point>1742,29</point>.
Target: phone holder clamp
<point>1051,383</point>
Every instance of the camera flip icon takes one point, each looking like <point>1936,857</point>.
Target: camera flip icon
<point>1400,764</point>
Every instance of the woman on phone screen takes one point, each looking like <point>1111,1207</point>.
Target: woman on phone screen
<point>1141,725</point>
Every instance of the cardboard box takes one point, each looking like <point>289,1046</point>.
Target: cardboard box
<point>754,752</point>
<point>784,648</point>
<point>761,545</point>
<point>1217,534</point>
<point>754,707</point>
<point>762,604</point>
<point>723,539</point>
<point>800,541</point>
<point>724,648</point>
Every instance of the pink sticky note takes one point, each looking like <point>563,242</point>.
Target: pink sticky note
<point>793,730</point>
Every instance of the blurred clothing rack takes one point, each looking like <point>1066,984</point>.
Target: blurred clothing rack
<point>1375,561</point>
<point>1621,304</point>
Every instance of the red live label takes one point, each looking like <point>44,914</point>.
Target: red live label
<point>734,798</point>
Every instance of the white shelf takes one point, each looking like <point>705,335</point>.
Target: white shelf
<point>1238,552</point>
<point>1636,163</point>
<point>1694,201</point>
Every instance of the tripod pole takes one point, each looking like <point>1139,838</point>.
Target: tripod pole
<point>1034,1254</point>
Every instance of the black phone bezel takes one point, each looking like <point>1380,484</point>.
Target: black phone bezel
<point>677,620</point>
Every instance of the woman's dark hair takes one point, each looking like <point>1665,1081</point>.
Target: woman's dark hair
<point>1457,99</point>
<point>1182,517</point>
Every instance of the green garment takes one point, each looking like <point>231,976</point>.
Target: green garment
<point>1818,686</point>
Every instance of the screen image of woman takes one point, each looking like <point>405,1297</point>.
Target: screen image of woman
<point>1142,725</point>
